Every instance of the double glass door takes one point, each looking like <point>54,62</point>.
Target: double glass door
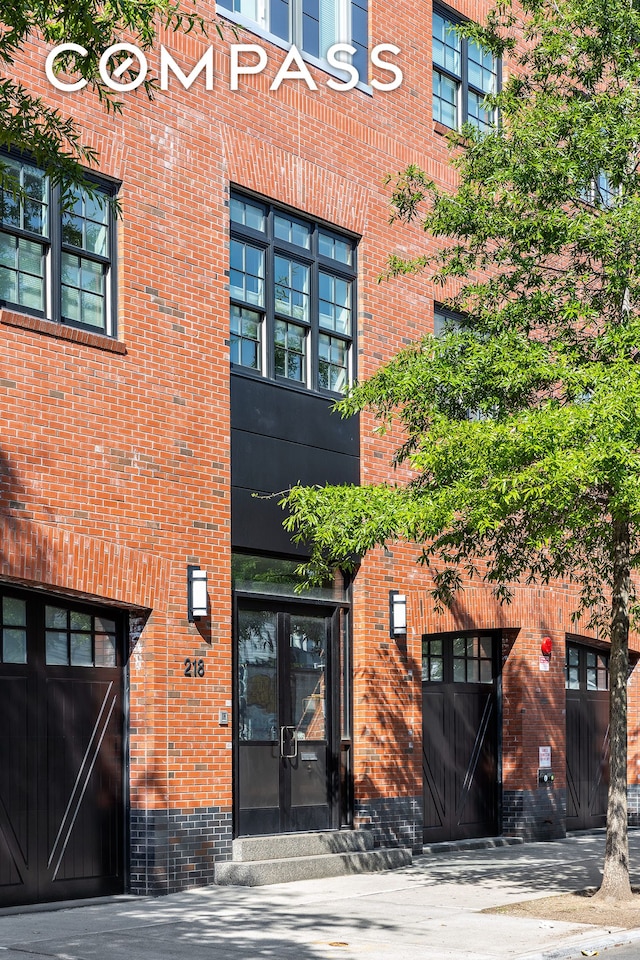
<point>285,755</point>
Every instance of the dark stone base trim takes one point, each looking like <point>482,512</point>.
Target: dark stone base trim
<point>172,850</point>
<point>539,814</point>
<point>633,804</point>
<point>395,821</point>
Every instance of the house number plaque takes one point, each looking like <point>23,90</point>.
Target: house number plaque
<point>193,668</point>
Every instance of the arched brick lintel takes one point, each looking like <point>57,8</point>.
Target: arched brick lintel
<point>41,555</point>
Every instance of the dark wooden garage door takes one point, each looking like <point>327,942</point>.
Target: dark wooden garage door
<point>460,736</point>
<point>587,737</point>
<point>61,750</point>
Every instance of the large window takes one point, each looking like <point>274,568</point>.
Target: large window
<point>446,321</point>
<point>292,285</point>
<point>463,75</point>
<point>56,251</point>
<point>312,25</point>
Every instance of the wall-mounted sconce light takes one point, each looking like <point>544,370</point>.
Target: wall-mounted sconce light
<point>397,614</point>
<point>196,593</point>
<point>546,646</point>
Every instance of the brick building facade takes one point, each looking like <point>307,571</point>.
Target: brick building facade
<point>131,448</point>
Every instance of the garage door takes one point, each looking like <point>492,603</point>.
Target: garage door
<point>61,750</point>
<point>460,736</point>
<point>587,681</point>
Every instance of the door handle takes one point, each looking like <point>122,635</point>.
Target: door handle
<point>293,743</point>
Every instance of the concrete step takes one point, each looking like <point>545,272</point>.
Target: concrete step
<point>256,873</point>
<point>286,845</point>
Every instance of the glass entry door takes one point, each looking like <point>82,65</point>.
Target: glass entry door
<point>285,753</point>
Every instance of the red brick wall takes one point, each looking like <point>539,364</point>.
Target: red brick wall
<point>117,455</point>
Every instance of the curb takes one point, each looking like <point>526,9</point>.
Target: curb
<point>575,951</point>
<point>484,843</point>
<point>53,906</point>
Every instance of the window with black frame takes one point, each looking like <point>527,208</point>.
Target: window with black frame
<point>463,658</point>
<point>463,75</point>
<point>586,668</point>
<point>312,25</point>
<point>447,321</point>
<point>56,249</point>
<point>292,286</point>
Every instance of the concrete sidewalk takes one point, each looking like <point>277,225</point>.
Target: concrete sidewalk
<point>429,911</point>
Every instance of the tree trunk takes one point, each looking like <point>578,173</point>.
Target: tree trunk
<point>615,877</point>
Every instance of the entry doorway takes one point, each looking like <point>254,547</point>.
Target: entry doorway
<point>287,693</point>
<point>460,736</point>
<point>587,740</point>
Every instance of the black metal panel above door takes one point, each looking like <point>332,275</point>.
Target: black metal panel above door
<point>272,410</point>
<point>281,436</point>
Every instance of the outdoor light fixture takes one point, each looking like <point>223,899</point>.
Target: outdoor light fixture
<point>546,646</point>
<point>196,592</point>
<point>397,614</point>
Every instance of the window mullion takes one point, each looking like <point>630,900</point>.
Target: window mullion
<point>449,74</point>
<point>111,287</point>
<point>270,301</point>
<point>296,23</point>
<point>464,80</point>
<point>314,320</point>
<point>345,31</point>
<point>54,259</point>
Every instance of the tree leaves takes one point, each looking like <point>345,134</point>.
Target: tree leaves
<point>56,143</point>
<point>521,429</point>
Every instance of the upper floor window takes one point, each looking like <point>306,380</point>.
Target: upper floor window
<point>312,25</point>
<point>601,192</point>
<point>463,75</point>
<point>292,285</point>
<point>445,321</point>
<point>56,251</point>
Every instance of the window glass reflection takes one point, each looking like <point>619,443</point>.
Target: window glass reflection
<point>257,675</point>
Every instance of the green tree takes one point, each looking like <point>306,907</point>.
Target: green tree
<point>521,425</point>
<point>27,122</point>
